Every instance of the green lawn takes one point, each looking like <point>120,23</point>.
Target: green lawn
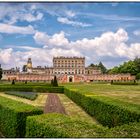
<point>125,93</point>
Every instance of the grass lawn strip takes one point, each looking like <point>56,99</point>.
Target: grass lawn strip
<point>125,93</point>
<point>76,111</point>
<point>40,100</point>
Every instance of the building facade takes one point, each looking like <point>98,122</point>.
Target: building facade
<point>67,69</point>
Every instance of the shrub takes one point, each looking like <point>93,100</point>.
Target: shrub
<point>60,126</point>
<point>109,112</point>
<point>27,95</point>
<point>55,84</point>
<point>125,83</point>
<point>13,116</point>
<point>30,88</point>
<point>131,130</point>
<point>13,82</point>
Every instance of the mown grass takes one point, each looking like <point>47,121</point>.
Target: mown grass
<point>124,93</point>
<point>73,110</point>
<point>39,101</point>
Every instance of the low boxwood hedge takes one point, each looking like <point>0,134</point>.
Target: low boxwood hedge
<point>124,83</point>
<point>60,126</point>
<point>13,116</point>
<point>131,130</point>
<point>25,88</point>
<point>109,112</point>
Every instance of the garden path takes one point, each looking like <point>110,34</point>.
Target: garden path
<point>53,104</point>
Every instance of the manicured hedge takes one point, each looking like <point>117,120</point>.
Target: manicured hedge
<point>13,116</point>
<point>60,126</point>
<point>109,112</point>
<point>124,83</point>
<point>25,88</point>
<point>27,95</point>
<point>131,130</point>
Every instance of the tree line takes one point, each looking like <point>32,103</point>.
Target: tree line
<point>132,67</point>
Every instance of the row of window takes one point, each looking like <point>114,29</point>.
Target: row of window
<point>63,66</point>
<point>66,61</point>
<point>70,72</point>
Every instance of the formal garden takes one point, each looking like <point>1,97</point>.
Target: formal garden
<point>71,110</point>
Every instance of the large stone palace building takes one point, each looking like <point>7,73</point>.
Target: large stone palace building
<point>67,69</point>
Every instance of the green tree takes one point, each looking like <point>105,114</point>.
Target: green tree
<point>55,84</point>
<point>138,76</point>
<point>92,65</point>
<point>137,63</point>
<point>0,72</point>
<point>102,67</point>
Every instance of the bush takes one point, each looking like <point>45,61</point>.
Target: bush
<point>125,83</point>
<point>109,112</point>
<point>27,95</point>
<point>29,88</point>
<point>13,116</point>
<point>60,126</point>
<point>131,130</point>
<point>13,82</point>
<point>55,84</point>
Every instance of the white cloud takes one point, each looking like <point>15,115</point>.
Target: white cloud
<point>40,56</point>
<point>6,56</point>
<point>57,39</point>
<point>65,20</point>
<point>137,32</point>
<point>11,29</point>
<point>41,38</point>
<point>24,17</point>
<point>110,45</point>
<point>12,13</point>
<point>70,13</point>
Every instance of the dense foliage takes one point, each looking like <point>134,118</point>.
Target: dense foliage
<point>99,66</point>
<point>109,112</point>
<point>13,116</point>
<point>27,95</point>
<point>132,67</point>
<point>131,130</point>
<point>60,126</point>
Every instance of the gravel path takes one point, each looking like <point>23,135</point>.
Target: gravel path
<point>53,104</point>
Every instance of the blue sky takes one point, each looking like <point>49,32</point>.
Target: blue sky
<point>100,31</point>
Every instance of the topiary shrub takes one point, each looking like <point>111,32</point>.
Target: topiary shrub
<point>55,83</point>
<point>13,82</point>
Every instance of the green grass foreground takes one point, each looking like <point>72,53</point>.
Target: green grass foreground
<point>123,93</point>
<point>116,107</point>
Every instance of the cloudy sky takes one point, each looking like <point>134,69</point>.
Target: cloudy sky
<point>107,32</point>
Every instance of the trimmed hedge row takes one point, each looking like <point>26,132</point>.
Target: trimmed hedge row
<point>13,116</point>
<point>32,88</point>
<point>27,95</point>
<point>131,130</point>
<point>60,126</point>
<point>124,83</point>
<point>109,112</point>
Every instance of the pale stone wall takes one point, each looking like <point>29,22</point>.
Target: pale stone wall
<point>69,65</point>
